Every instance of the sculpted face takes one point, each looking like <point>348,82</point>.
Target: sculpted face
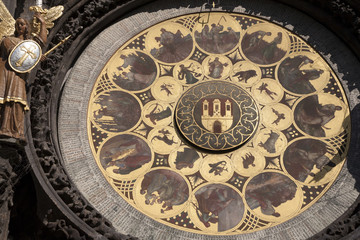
<point>21,26</point>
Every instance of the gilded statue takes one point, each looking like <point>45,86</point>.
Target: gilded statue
<point>20,51</point>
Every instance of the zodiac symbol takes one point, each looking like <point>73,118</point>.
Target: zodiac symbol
<point>269,144</point>
<point>218,168</point>
<point>264,87</point>
<point>248,160</point>
<point>165,137</point>
<point>245,75</point>
<point>166,87</point>
<point>157,114</point>
<point>280,116</point>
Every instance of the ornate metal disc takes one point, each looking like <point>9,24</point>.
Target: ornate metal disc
<point>25,56</point>
<point>221,128</point>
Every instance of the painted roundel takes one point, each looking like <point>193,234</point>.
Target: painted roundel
<point>203,125</point>
<point>217,115</point>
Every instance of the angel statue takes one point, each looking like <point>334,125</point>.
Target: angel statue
<point>19,53</point>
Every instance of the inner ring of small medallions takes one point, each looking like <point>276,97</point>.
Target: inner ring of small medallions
<point>158,143</point>
<point>217,116</point>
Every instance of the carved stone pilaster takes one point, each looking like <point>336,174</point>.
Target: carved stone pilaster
<point>12,167</point>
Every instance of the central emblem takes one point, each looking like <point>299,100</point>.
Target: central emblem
<point>217,116</point>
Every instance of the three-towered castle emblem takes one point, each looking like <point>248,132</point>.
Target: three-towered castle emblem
<point>217,115</point>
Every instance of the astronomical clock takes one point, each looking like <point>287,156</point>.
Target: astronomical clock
<point>220,128</point>
<point>200,122</point>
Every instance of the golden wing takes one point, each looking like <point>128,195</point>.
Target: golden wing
<point>50,15</point>
<point>7,22</point>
